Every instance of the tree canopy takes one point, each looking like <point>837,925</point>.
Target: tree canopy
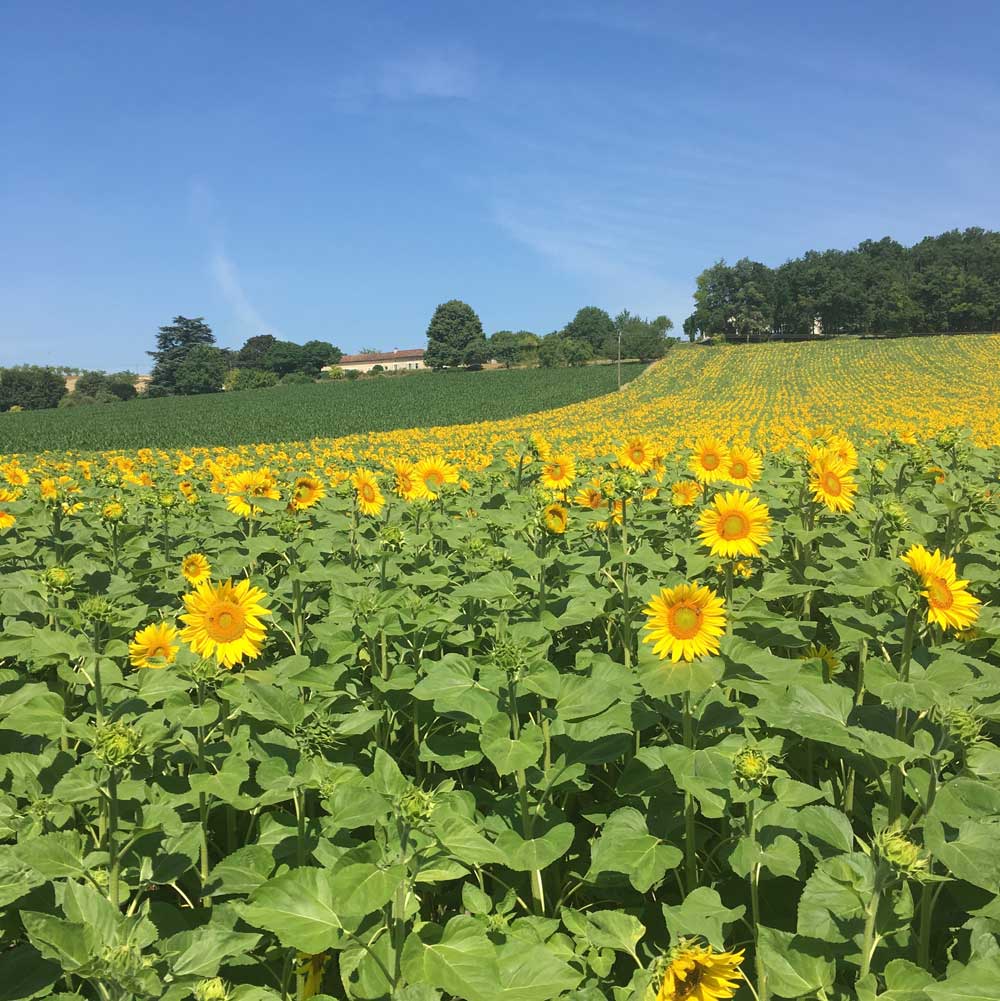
<point>455,337</point>
<point>174,343</point>
<point>942,284</point>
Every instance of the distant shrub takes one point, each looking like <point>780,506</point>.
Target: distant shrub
<point>296,379</point>
<point>31,387</point>
<point>376,370</point>
<point>333,373</point>
<point>238,379</point>
<point>352,374</point>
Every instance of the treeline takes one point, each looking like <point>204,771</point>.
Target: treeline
<point>187,361</point>
<point>455,339</point>
<point>942,284</point>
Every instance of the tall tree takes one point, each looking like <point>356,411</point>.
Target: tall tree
<point>253,352</point>
<point>173,344</point>
<point>455,337</point>
<point>591,325</point>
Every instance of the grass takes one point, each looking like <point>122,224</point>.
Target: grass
<point>298,413</point>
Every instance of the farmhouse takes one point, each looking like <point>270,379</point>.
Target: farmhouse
<point>391,361</point>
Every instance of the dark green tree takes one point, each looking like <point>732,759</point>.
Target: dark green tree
<point>455,337</point>
<point>316,354</point>
<point>203,370</point>
<point>173,345</point>
<point>254,350</point>
<point>31,387</point>
<point>592,326</point>
<point>283,357</point>
<point>510,348</point>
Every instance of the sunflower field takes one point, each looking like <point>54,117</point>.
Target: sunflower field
<point>684,694</point>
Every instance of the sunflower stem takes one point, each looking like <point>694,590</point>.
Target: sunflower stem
<point>751,822</point>
<point>896,775</point>
<point>626,610</point>
<point>690,844</point>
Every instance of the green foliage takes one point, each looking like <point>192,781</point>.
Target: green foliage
<point>557,350</point>
<point>640,338</point>
<point>174,343</point>
<point>945,283</point>
<point>202,370</point>
<point>249,378</point>
<point>455,337</point>
<point>455,771</point>
<point>30,387</point>
<point>348,406</point>
<point>511,348</point>
<point>592,326</point>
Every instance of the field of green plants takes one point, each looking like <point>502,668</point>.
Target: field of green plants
<point>488,714</point>
<point>298,413</point>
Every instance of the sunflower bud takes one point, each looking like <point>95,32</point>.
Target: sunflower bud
<point>315,736</point>
<point>510,658</point>
<point>166,499</point>
<point>58,578</point>
<point>895,517</point>
<point>903,856</point>
<point>750,767</point>
<point>215,989</point>
<point>391,538</point>
<point>117,744</point>
<point>965,728</point>
<point>97,609</point>
<point>415,806</point>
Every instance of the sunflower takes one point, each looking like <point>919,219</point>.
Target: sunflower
<point>685,622</point>
<point>636,455</point>
<point>558,472</point>
<point>686,492</point>
<point>590,497</point>
<point>709,461</point>
<point>243,487</point>
<point>306,491</point>
<point>369,497</point>
<point>554,517</point>
<point>743,466</point>
<point>224,620</point>
<point>693,972</point>
<point>434,473</point>
<point>831,482</point>
<point>735,524</point>
<point>408,485</point>
<point>195,568</point>
<point>949,604</point>
<point>6,520</point>
<point>154,646</point>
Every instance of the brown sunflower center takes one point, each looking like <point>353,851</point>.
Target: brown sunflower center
<point>832,484</point>
<point>225,622</point>
<point>711,460</point>
<point>685,621</point>
<point>367,493</point>
<point>433,478</point>
<point>687,986</point>
<point>734,525</point>
<point>939,594</point>
<point>160,650</point>
<point>738,469</point>
<point>637,454</point>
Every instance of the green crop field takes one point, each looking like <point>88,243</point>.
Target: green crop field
<point>298,413</point>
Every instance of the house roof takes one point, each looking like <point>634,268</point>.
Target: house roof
<point>409,354</point>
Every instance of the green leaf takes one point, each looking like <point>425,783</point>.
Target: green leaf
<point>793,966</point>
<point>55,856</point>
<point>975,982</point>
<point>509,755</point>
<point>626,846</point>
<point>462,961</point>
<point>524,855</point>
<point>702,913</point>
<point>298,907</point>
<point>24,973</point>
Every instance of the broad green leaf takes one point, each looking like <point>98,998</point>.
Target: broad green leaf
<point>701,913</point>
<point>795,966</point>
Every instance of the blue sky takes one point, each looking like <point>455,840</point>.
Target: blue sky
<point>335,170</point>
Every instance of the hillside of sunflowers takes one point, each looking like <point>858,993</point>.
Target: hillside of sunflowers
<point>685,693</point>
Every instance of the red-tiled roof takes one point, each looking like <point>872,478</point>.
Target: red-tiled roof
<point>410,354</point>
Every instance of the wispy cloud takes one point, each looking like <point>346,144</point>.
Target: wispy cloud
<point>227,279</point>
<point>449,72</point>
<point>221,267</point>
